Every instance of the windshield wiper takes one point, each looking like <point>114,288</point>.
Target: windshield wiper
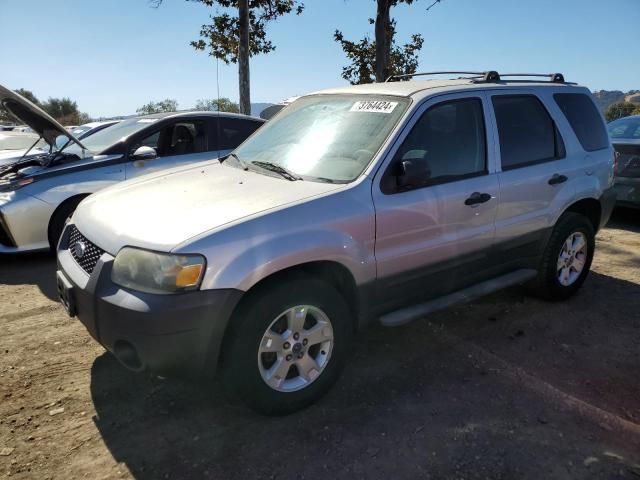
<point>242,163</point>
<point>280,170</point>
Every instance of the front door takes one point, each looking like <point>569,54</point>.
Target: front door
<point>178,143</point>
<point>435,238</point>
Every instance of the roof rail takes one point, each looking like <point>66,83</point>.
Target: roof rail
<point>488,76</point>
<point>553,77</point>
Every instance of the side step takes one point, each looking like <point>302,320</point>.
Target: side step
<point>406,315</point>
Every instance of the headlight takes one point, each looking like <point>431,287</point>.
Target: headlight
<point>153,272</point>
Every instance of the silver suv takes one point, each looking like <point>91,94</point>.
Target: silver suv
<point>382,201</point>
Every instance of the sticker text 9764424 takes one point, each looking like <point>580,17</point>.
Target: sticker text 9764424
<point>374,106</point>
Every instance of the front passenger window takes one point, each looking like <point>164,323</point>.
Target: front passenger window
<point>450,139</point>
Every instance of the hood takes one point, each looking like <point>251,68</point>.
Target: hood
<point>159,212</point>
<point>40,121</point>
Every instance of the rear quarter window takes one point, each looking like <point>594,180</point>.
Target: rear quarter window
<point>585,120</point>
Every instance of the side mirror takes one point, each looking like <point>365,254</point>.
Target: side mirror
<point>144,153</point>
<point>412,173</point>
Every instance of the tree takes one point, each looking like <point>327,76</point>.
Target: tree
<point>166,105</point>
<point>221,105</point>
<point>65,111</point>
<point>238,32</point>
<point>377,60</point>
<point>619,110</point>
<point>403,59</point>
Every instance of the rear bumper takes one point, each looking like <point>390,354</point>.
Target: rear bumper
<point>627,191</point>
<point>166,334</point>
<point>607,203</point>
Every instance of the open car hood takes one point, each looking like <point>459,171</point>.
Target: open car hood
<point>39,120</point>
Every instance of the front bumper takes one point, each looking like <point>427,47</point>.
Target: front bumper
<point>166,334</point>
<point>627,191</point>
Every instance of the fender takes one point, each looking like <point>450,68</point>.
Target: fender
<point>261,260</point>
<point>338,227</point>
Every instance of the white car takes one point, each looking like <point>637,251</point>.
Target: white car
<point>39,193</point>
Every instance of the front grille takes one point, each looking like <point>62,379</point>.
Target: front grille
<point>85,253</point>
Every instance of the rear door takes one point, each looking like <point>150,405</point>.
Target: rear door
<point>535,173</point>
<point>434,239</point>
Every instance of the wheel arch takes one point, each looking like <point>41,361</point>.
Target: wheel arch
<point>590,208</point>
<point>333,272</point>
<point>76,198</point>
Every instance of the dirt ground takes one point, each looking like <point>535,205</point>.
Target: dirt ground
<point>506,387</point>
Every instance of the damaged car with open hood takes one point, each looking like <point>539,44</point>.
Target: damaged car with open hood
<point>38,193</point>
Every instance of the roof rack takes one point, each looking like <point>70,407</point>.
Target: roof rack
<point>488,76</point>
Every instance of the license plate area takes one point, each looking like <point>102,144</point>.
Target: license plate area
<point>66,293</point>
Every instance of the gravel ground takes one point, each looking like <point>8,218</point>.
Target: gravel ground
<point>506,387</point>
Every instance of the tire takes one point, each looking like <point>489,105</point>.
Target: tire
<point>552,282</point>
<point>59,220</point>
<point>245,369</point>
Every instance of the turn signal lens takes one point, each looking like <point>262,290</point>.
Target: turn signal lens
<point>188,276</point>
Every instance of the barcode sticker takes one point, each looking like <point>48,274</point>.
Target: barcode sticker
<point>374,106</point>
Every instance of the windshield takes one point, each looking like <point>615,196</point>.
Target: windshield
<point>78,131</point>
<point>20,142</point>
<point>326,137</point>
<point>100,141</point>
<point>625,128</point>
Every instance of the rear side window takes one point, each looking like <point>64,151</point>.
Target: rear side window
<point>233,131</point>
<point>527,132</point>
<point>584,119</point>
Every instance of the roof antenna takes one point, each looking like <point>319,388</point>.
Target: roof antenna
<point>218,140</point>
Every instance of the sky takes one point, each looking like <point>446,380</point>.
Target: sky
<point>112,56</point>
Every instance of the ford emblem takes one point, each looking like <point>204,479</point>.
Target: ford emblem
<point>79,249</point>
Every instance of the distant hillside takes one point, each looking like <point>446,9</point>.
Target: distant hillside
<point>604,98</point>
<point>256,108</point>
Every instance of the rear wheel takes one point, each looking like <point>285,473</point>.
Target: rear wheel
<point>288,344</point>
<point>567,258</point>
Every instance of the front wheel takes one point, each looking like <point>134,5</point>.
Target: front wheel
<point>287,345</point>
<point>567,258</point>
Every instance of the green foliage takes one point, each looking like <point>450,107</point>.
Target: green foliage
<point>222,36</point>
<point>620,109</point>
<point>64,110</point>
<point>390,59</point>
<point>221,105</point>
<point>166,105</point>
<point>60,107</point>
<point>362,55</point>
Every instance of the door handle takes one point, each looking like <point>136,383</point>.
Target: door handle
<point>477,198</point>
<point>557,179</point>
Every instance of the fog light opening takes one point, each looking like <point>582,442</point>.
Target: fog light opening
<point>126,354</point>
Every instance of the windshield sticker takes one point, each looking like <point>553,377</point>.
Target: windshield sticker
<point>374,106</point>
<point>147,120</point>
